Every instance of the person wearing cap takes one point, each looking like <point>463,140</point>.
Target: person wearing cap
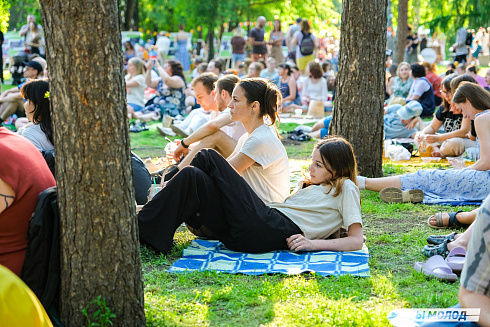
<point>399,120</point>
<point>11,100</point>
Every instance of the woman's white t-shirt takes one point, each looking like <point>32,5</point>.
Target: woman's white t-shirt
<point>316,91</point>
<point>319,214</point>
<point>269,175</point>
<point>136,94</point>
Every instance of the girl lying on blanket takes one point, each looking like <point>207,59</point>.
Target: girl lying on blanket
<point>444,186</point>
<point>211,195</point>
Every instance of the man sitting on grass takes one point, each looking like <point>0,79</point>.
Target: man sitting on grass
<point>220,133</point>
<point>11,100</point>
<point>400,121</point>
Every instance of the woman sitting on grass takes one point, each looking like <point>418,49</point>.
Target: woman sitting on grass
<point>454,141</point>
<point>36,94</point>
<point>135,86</point>
<point>170,86</point>
<point>470,184</point>
<point>209,194</point>
<point>400,85</point>
<point>287,86</point>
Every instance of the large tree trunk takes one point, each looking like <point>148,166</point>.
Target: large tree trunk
<point>401,32</point>
<point>99,231</point>
<point>358,114</point>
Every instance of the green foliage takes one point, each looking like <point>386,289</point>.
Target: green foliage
<point>4,15</point>
<point>19,9</point>
<point>446,16</point>
<point>209,15</point>
<point>101,317</point>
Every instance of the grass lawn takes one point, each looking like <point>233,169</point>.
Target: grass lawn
<point>395,236</point>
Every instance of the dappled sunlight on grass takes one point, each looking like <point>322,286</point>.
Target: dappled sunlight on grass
<point>395,235</point>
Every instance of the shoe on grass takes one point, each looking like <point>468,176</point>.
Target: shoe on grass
<point>436,267</point>
<point>452,222</point>
<point>440,249</point>
<point>165,131</point>
<point>439,239</point>
<point>180,131</point>
<point>395,195</point>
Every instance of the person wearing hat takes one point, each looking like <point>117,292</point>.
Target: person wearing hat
<point>399,121</point>
<point>11,101</point>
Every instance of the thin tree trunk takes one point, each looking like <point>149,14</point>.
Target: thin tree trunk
<point>128,15</point>
<point>358,114</point>
<point>401,33</point>
<point>99,231</point>
<point>136,16</point>
<point>210,40</point>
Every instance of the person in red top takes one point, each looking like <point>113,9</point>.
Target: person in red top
<point>435,80</point>
<point>24,174</point>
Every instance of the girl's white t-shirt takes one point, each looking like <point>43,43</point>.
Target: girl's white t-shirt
<point>319,214</point>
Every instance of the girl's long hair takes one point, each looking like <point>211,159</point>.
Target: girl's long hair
<point>338,154</point>
<point>37,92</point>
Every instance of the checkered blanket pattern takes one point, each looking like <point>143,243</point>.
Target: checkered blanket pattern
<point>205,254</point>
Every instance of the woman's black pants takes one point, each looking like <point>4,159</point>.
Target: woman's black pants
<point>211,194</point>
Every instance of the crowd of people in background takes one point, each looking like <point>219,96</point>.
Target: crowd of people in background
<point>230,105</point>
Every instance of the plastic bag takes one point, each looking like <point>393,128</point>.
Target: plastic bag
<point>425,149</point>
<point>397,153</point>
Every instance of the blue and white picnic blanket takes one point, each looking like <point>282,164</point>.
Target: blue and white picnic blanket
<point>206,254</point>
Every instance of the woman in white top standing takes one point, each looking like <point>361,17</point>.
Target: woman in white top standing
<point>135,85</point>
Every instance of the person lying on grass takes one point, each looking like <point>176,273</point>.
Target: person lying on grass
<point>210,195</point>
<point>470,184</point>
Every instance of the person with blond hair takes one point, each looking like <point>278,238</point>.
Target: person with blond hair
<point>401,83</point>
<point>135,85</point>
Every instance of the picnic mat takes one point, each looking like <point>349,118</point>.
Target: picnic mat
<point>204,254</point>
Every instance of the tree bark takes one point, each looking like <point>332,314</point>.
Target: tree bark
<point>401,32</point>
<point>358,113</point>
<point>99,231</point>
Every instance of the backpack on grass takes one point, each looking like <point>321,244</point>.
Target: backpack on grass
<point>307,45</point>
<point>41,270</point>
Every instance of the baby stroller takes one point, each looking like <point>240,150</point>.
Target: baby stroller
<point>17,68</point>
